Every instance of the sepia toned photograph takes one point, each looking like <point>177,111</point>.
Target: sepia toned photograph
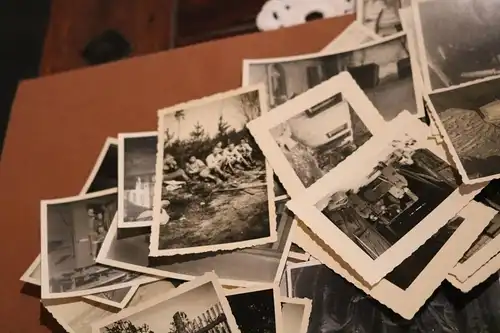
<point>282,215</point>
<point>406,288</point>
<point>196,306</point>
<point>104,174</point>
<point>466,47</point>
<point>256,309</point>
<point>128,248</point>
<point>213,194</point>
<point>381,68</point>
<point>402,193</point>
<point>76,315</point>
<point>136,173</point>
<point>318,139</point>
<point>118,298</point>
<point>468,118</point>
<point>487,244</point>
<point>338,306</point>
<point>73,230</point>
<point>321,129</point>
<point>381,16</point>
<point>296,313</point>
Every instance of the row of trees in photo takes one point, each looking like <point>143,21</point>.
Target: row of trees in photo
<point>201,144</point>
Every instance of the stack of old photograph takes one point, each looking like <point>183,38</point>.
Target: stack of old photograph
<point>354,189</point>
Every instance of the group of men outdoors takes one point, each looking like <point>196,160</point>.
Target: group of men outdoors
<point>219,164</point>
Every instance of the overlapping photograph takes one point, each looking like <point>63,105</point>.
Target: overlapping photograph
<point>296,313</point>
<point>76,315</point>
<point>128,248</point>
<point>104,174</point>
<point>118,298</point>
<point>212,179</point>
<point>72,232</point>
<point>305,139</point>
<point>198,305</point>
<point>409,285</point>
<point>136,174</point>
<point>381,16</point>
<point>381,205</point>
<point>467,117</point>
<point>256,309</point>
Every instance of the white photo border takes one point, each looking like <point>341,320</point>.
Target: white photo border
<point>372,271</point>
<point>307,303</point>
<point>46,293</point>
<point>154,249</point>
<point>276,295</point>
<point>103,259</point>
<point>405,302</point>
<point>26,278</point>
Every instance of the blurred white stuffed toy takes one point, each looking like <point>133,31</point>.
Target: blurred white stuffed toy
<point>285,13</point>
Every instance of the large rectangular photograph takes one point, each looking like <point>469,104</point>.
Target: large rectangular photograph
<point>466,47</point>
<point>118,298</point>
<point>468,117</point>
<point>487,244</point>
<point>136,173</point>
<point>409,285</point>
<point>197,306</point>
<point>381,16</point>
<point>256,309</point>
<point>338,306</point>
<point>212,182</point>
<point>76,315</point>
<point>73,230</point>
<point>404,190</point>
<point>128,248</point>
<point>381,68</point>
<point>321,128</point>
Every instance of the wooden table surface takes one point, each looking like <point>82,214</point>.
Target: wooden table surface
<point>59,123</point>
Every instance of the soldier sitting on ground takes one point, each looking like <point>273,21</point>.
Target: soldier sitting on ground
<point>196,167</point>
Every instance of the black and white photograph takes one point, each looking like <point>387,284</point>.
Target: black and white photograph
<point>318,139</point>
<point>403,192</point>
<point>282,215</point>
<point>468,118</point>
<point>339,307</point>
<point>118,298</point>
<point>76,315</point>
<point>381,16</point>
<point>466,47</point>
<point>128,248</point>
<point>305,139</point>
<point>213,194</point>
<point>296,313</point>
<point>381,68</point>
<point>199,305</point>
<point>405,289</point>
<point>136,173</point>
<point>487,244</point>
<point>256,309</point>
<point>73,230</point>
<point>104,174</point>
<point>355,34</point>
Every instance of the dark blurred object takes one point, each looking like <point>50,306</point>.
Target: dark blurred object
<point>106,47</point>
<point>366,76</point>
<point>144,24</point>
<point>404,68</point>
<point>22,29</point>
<point>203,20</point>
